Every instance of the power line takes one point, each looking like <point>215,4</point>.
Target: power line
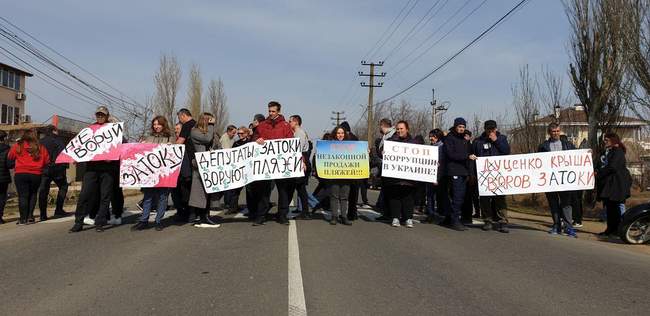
<point>367,55</point>
<point>396,28</point>
<point>31,92</point>
<point>450,59</point>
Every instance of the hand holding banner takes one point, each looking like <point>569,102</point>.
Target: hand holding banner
<point>145,165</point>
<point>410,162</point>
<point>342,159</point>
<point>568,170</point>
<point>94,143</point>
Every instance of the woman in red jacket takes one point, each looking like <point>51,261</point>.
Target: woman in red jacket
<point>31,157</point>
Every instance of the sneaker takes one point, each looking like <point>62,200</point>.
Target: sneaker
<point>571,233</point>
<point>577,225</point>
<point>89,221</point>
<point>140,226</point>
<point>333,221</point>
<point>346,222</point>
<point>409,223</point>
<point>503,228</point>
<point>366,206</point>
<point>61,214</point>
<point>395,222</point>
<point>115,221</point>
<point>458,227</point>
<point>158,227</point>
<point>76,228</point>
<point>206,222</point>
<point>553,231</point>
<point>99,228</point>
<point>21,222</point>
<point>43,218</point>
<point>487,226</point>
<point>31,220</point>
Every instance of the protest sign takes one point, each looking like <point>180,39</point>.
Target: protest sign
<point>342,160</point>
<point>410,162</point>
<point>145,165</point>
<point>93,143</point>
<point>567,170</point>
<point>227,169</point>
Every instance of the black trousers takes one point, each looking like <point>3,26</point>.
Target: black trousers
<point>180,198</point>
<point>27,188</point>
<point>352,200</point>
<point>494,208</point>
<point>3,197</point>
<point>260,199</point>
<point>44,191</point>
<point>471,203</point>
<point>285,193</point>
<point>400,201</point>
<point>578,206</point>
<point>96,186</point>
<point>363,188</point>
<point>613,215</point>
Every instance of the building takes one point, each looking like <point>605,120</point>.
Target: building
<point>12,95</point>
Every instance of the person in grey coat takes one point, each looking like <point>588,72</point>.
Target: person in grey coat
<point>202,136</point>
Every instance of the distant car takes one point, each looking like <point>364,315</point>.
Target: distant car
<point>635,225</point>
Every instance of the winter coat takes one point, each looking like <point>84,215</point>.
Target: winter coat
<point>546,146</point>
<point>54,146</point>
<point>485,147</point>
<point>200,142</point>
<point>5,164</point>
<point>613,180</point>
<point>159,139</point>
<point>441,160</point>
<point>457,151</point>
<point>273,129</point>
<point>394,181</point>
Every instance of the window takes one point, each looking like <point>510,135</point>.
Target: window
<point>16,116</point>
<point>10,115</point>
<point>12,76</point>
<point>17,83</point>
<point>2,74</point>
<point>5,78</point>
<point>3,116</point>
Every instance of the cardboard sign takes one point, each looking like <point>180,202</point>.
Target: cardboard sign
<point>410,162</point>
<point>342,160</point>
<point>227,169</point>
<point>145,165</point>
<point>568,170</point>
<point>94,143</point>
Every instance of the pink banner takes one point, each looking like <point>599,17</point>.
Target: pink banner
<point>94,143</point>
<point>145,165</point>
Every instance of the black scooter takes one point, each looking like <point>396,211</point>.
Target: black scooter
<point>635,225</point>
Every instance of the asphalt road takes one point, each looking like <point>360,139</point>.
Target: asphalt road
<point>369,268</point>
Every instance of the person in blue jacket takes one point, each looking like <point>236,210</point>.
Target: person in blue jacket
<point>457,155</point>
<point>493,208</point>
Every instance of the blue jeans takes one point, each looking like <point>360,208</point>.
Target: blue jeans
<point>431,199</point>
<point>458,190</point>
<point>313,201</point>
<point>151,194</point>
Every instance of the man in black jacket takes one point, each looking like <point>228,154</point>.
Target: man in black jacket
<point>5,173</point>
<point>53,173</point>
<point>457,155</point>
<point>492,143</point>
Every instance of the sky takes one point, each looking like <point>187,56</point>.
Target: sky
<point>304,54</point>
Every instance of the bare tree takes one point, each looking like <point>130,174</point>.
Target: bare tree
<point>136,118</point>
<point>216,102</point>
<point>195,90</point>
<point>638,48</point>
<point>597,47</point>
<point>525,135</point>
<point>552,92</point>
<point>167,80</point>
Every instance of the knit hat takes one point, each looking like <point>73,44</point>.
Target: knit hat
<point>490,125</point>
<point>460,121</point>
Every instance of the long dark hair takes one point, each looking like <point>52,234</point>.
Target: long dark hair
<point>162,121</point>
<point>336,129</point>
<point>616,140</point>
<point>34,149</point>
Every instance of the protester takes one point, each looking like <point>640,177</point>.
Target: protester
<point>159,134</point>
<point>273,127</point>
<point>354,184</point>
<point>437,194</point>
<point>493,208</point>
<point>31,158</point>
<point>228,138</point>
<point>420,195</point>
<point>399,193</point>
<point>202,137</point>
<point>6,165</point>
<point>300,185</point>
<point>559,202</point>
<point>339,189</point>
<point>177,129</point>
<point>387,131</point>
<point>97,185</point>
<point>53,173</point>
<point>613,181</point>
<point>471,205</point>
<point>232,202</point>
<point>181,194</point>
<point>457,155</point>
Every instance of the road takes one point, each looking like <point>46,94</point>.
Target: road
<point>369,268</point>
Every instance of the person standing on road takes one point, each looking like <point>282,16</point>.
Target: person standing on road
<point>613,181</point>
<point>5,172</point>
<point>493,208</point>
<point>53,173</point>
<point>295,121</point>
<point>457,156</point>
<point>559,202</point>
<point>339,189</point>
<point>31,158</point>
<point>202,136</point>
<point>437,194</point>
<point>181,194</point>
<point>399,193</point>
<point>98,183</point>
<point>387,131</point>
<point>273,127</point>
<point>159,134</point>
<point>244,135</point>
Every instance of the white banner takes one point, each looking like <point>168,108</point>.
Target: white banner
<point>568,170</point>
<point>410,161</point>
<point>227,169</point>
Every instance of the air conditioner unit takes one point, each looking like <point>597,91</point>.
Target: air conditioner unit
<point>20,96</point>
<point>25,118</point>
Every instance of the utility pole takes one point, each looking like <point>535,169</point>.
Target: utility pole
<point>437,109</point>
<point>338,117</point>
<point>371,86</point>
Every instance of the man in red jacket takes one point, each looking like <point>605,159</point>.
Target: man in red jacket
<point>273,127</point>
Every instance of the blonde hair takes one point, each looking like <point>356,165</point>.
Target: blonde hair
<point>203,122</point>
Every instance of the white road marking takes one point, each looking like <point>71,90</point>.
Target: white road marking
<point>297,306</point>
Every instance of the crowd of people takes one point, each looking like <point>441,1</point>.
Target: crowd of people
<point>452,201</point>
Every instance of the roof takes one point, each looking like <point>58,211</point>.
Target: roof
<point>576,117</point>
<point>22,126</point>
<point>69,124</point>
<point>16,69</point>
